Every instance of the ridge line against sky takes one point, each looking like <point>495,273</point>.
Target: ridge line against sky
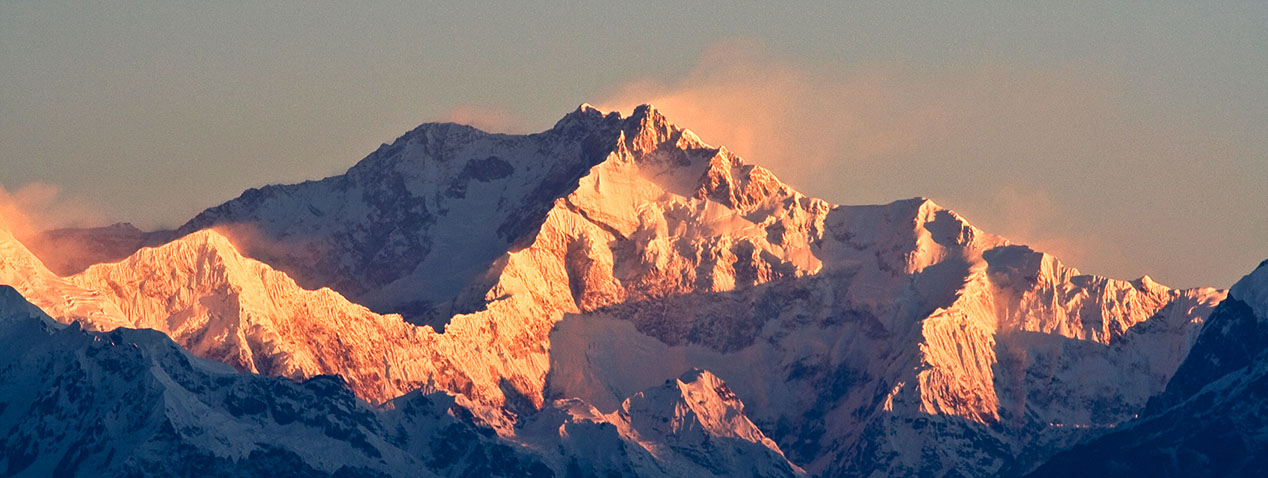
<point>1127,140</point>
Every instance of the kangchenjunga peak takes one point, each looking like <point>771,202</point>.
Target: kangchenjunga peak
<point>617,287</point>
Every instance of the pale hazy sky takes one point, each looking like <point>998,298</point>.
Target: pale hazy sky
<point>1126,139</point>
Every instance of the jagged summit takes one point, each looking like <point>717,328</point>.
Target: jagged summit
<point>451,198</point>
<point>202,292</point>
<point>588,109</point>
<point>1253,290</point>
<point>582,119</point>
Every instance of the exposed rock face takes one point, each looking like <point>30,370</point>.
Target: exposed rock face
<point>600,259</point>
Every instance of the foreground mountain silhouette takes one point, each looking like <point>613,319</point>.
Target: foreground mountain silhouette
<point>578,269</point>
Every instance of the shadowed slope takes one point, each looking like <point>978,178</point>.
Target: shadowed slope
<point>1212,420</point>
<point>415,226</point>
<point>132,403</point>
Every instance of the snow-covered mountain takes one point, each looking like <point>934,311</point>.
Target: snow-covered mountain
<point>133,403</point>
<point>974,364</point>
<point>23,271</point>
<point>692,425</point>
<point>220,305</point>
<point>1212,420</point>
<point>415,223</point>
<point>597,266</point>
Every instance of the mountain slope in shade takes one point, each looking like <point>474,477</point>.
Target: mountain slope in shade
<point>132,403</point>
<point>1212,420</point>
<point>1234,338</point>
<point>409,227</point>
<point>865,339</point>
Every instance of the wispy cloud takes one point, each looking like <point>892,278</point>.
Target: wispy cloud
<point>969,136</point>
<point>490,119</point>
<point>1029,215</point>
<point>38,206</point>
<point>794,117</point>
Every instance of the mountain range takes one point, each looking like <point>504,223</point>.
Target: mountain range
<point>612,296</point>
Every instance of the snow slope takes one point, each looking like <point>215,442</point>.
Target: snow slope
<point>132,403</point>
<point>411,225</point>
<point>844,327</point>
<point>220,305</point>
<point>23,271</point>
<point>1212,420</point>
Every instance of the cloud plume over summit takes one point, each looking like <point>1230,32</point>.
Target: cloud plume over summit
<point>1046,141</point>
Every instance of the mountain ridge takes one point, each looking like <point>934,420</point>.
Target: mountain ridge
<point>863,339</point>
<point>132,403</point>
<point>1212,417</point>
